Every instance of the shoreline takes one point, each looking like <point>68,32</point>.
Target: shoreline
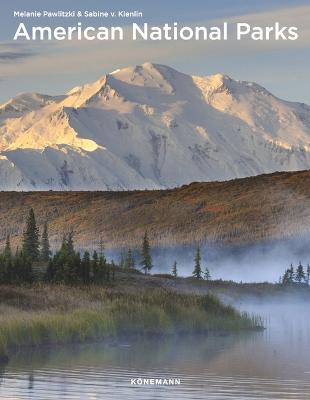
<point>117,341</point>
<point>42,314</point>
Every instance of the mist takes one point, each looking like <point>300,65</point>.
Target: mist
<point>264,262</point>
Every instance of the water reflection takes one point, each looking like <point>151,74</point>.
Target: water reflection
<point>273,364</point>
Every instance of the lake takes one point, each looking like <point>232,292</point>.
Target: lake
<point>273,364</point>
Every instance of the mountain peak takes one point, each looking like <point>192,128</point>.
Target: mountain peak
<point>145,75</point>
<point>150,126</point>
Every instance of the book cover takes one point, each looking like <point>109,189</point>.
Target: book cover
<point>154,199</point>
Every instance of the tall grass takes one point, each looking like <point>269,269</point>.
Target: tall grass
<point>59,314</point>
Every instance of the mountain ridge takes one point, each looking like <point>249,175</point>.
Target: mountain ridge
<point>149,127</point>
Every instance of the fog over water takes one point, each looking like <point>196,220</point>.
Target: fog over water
<point>273,364</point>
<point>249,263</point>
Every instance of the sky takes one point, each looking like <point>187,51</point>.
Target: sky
<point>56,67</point>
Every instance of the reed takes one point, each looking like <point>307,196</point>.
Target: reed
<point>46,314</point>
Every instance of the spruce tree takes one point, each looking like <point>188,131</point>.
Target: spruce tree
<point>23,266</point>
<point>101,248</point>
<point>50,272</point>
<point>308,274</point>
<point>291,274</point>
<point>31,238</point>
<point>95,265</point>
<point>71,268</point>
<point>66,265</point>
<point>57,265</point>
<point>85,267</point>
<point>102,269</point>
<point>7,249</point>
<point>300,274</point>
<point>174,269</point>
<point>130,261</point>
<point>63,247</point>
<point>2,270</point>
<point>113,269</point>
<point>108,272</point>
<point>197,270</point>
<point>285,280</point>
<point>146,258</point>
<point>8,261</point>
<point>207,275</point>
<point>70,243</point>
<point>45,245</point>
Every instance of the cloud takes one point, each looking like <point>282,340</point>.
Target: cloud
<point>85,54</point>
<point>15,52</point>
<point>10,56</point>
<point>78,58</point>
<point>290,16</point>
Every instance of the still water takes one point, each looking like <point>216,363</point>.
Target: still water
<point>274,364</point>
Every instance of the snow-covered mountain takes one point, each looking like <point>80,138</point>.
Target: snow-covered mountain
<point>149,126</point>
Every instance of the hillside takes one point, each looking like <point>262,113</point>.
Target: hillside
<point>237,211</point>
<point>149,127</point>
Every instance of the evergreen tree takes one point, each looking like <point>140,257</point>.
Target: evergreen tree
<point>7,249</point>
<point>108,272</point>
<point>308,274</point>
<point>22,266</point>
<point>146,258</point>
<point>113,269</point>
<point>102,269</point>
<point>45,252</point>
<point>2,271</point>
<point>70,243</point>
<point>101,248</point>
<point>95,265</point>
<point>285,280</point>
<point>85,267</point>
<point>15,273</point>
<point>50,272</point>
<point>31,238</point>
<point>57,265</point>
<point>207,275</point>
<point>291,274</point>
<point>7,262</point>
<point>300,274</point>
<point>15,268</point>
<point>197,270</point>
<point>174,269</point>
<point>71,268</point>
<point>130,261</point>
<point>66,264</point>
<point>63,247</point>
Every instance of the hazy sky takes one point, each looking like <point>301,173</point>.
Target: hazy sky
<point>56,67</point>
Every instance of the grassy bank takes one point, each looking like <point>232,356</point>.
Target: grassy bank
<point>45,314</point>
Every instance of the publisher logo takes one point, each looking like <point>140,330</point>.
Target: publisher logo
<point>155,381</point>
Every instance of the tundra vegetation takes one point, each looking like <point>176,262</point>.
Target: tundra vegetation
<point>264,208</point>
<point>66,296</point>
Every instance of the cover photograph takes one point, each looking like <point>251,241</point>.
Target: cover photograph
<point>155,200</point>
